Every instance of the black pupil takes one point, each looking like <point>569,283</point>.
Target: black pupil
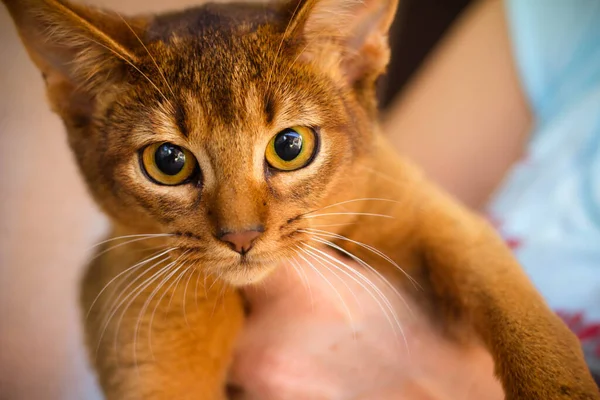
<point>170,159</point>
<point>288,144</point>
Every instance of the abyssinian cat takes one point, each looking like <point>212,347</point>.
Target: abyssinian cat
<point>218,140</point>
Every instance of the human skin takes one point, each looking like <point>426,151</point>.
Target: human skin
<point>464,120</point>
<point>304,340</point>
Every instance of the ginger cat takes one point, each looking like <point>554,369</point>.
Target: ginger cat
<point>219,140</point>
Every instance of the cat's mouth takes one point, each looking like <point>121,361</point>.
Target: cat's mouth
<point>238,270</point>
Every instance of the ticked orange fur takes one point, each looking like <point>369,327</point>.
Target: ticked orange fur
<point>221,80</point>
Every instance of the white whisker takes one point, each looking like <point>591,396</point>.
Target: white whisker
<point>211,286</point>
<point>366,265</point>
<point>185,295</point>
<point>130,270</point>
<point>120,245</point>
<point>305,282</point>
<point>176,283</point>
<point>322,233</point>
<point>145,306</point>
<point>356,200</point>
<point>320,261</point>
<point>130,284</point>
<point>160,71</point>
<point>332,225</point>
<point>132,65</point>
<point>347,310</point>
<point>148,235</point>
<point>331,260</point>
<point>348,213</point>
<point>174,271</point>
<point>283,38</point>
<point>140,288</point>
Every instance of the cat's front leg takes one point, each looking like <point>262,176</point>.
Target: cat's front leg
<point>158,337</point>
<point>470,275</point>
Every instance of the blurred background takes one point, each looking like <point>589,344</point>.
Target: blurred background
<point>48,223</point>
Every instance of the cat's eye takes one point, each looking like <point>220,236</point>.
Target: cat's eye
<point>168,164</point>
<point>292,148</point>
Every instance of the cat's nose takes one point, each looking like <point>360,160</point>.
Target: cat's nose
<point>241,241</point>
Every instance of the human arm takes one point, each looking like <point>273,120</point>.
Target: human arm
<point>465,118</point>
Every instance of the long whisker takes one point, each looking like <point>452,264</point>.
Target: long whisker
<point>306,283</point>
<point>137,290</point>
<point>366,265</point>
<point>196,289</point>
<point>347,310</point>
<point>222,294</point>
<point>133,66</point>
<point>347,202</point>
<point>130,284</point>
<point>125,290</point>
<point>129,270</point>
<point>320,261</point>
<point>216,301</point>
<point>120,245</point>
<point>148,235</point>
<point>173,292</point>
<point>283,78</point>
<point>167,290</point>
<point>356,200</point>
<point>322,233</point>
<point>333,261</point>
<point>185,296</point>
<point>160,71</point>
<point>348,213</point>
<point>162,296</point>
<point>142,312</point>
<point>170,267</point>
<point>332,225</point>
<point>343,264</point>
<point>283,38</point>
<point>132,295</point>
<point>206,275</point>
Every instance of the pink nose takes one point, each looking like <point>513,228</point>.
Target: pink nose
<point>241,241</point>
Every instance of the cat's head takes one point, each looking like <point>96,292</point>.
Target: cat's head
<point>224,125</point>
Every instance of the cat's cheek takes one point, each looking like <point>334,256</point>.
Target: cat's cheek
<point>138,202</point>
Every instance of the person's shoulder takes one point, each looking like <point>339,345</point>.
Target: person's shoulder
<point>556,44</point>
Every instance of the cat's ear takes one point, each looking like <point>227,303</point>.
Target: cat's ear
<point>354,31</point>
<point>72,44</point>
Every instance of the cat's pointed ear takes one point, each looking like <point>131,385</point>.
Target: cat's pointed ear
<point>354,30</point>
<point>73,44</point>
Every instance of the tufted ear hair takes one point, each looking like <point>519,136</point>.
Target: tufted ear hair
<point>75,45</point>
<point>350,33</point>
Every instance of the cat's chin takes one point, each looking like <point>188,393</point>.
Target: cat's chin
<point>248,275</point>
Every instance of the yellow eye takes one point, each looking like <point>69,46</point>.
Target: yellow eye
<point>292,148</point>
<point>168,164</point>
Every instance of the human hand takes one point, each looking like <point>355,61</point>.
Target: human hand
<point>323,334</point>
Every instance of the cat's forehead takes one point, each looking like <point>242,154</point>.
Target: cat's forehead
<point>211,17</point>
<point>225,70</point>
<point>218,59</point>
<point>216,40</point>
